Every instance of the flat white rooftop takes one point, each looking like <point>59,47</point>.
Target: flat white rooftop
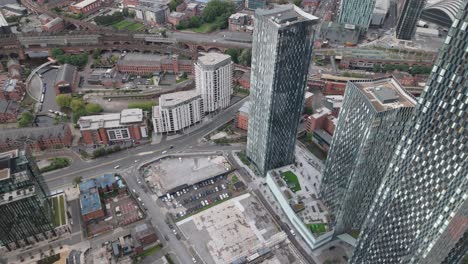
<point>212,59</point>
<point>172,99</point>
<point>84,3</point>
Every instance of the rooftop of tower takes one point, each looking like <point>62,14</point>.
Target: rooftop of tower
<point>385,93</point>
<point>286,15</point>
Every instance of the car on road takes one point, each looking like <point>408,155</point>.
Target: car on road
<point>136,161</point>
<point>164,152</point>
<point>171,146</point>
<point>116,167</point>
<point>194,260</point>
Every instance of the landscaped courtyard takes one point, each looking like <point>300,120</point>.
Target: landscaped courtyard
<point>128,25</point>
<point>317,228</point>
<point>292,180</point>
<point>58,203</point>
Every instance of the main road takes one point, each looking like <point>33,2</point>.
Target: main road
<point>126,158</point>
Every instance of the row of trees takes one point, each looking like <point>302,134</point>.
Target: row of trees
<point>240,56</point>
<point>113,18</point>
<point>79,60</point>
<point>26,119</point>
<point>216,12</point>
<point>416,69</point>
<point>78,107</point>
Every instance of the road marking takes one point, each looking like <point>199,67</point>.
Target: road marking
<point>145,153</point>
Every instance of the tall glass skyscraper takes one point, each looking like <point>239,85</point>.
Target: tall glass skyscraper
<point>25,212</point>
<point>357,12</point>
<point>421,209</point>
<point>281,55</point>
<point>370,125</point>
<point>409,12</point>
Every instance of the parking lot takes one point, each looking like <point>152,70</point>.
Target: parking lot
<point>193,198</point>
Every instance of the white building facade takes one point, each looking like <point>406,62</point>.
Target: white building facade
<point>177,111</point>
<point>213,80</point>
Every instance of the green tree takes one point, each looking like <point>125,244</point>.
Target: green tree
<point>234,53</point>
<point>377,68</point>
<point>174,3</point>
<point>63,100</point>
<point>217,8</point>
<point>25,119</point>
<point>77,104</point>
<point>96,53</point>
<point>93,108</point>
<point>56,52</point>
<point>77,180</point>
<point>79,113</point>
<point>297,2</point>
<point>125,12</point>
<point>245,58</point>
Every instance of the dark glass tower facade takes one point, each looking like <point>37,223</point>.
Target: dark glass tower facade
<point>409,12</point>
<point>420,212</point>
<point>25,212</point>
<point>370,125</point>
<point>281,55</point>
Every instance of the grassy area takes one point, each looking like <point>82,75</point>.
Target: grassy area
<point>354,233</point>
<point>243,158</point>
<point>56,163</point>
<point>62,210</point>
<point>317,228</point>
<point>205,28</point>
<point>181,79</point>
<point>292,180</point>
<point>55,204</point>
<point>150,251</point>
<point>128,25</point>
<point>235,179</point>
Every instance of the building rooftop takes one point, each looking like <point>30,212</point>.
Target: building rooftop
<point>143,230</point>
<point>105,180</point>
<point>245,108</point>
<point>321,112</point>
<point>131,115</point>
<point>87,184</point>
<point>324,135</point>
<point>286,15</point>
<point>385,93</point>
<point>90,201</point>
<point>127,116</point>
<point>238,15</point>
<point>52,23</point>
<point>214,59</point>
<point>173,99</point>
<point>3,22</point>
<point>9,85</point>
<point>66,72</point>
<point>33,133</point>
<point>84,3</point>
<point>177,14</point>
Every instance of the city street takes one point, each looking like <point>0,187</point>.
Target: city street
<point>64,178</point>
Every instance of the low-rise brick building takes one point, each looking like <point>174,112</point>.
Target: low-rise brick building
<point>11,89</point>
<point>240,22</point>
<point>145,235</point>
<point>154,64</point>
<point>86,7</point>
<point>175,18</point>
<point>36,138</point>
<point>14,68</point>
<point>244,80</point>
<point>66,80</point>
<point>129,125</point>
<point>322,125</point>
<point>55,25</point>
<point>243,116</point>
<point>90,201</point>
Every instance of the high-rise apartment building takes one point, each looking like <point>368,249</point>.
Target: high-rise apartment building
<point>357,12</point>
<point>370,125</point>
<point>281,54</point>
<point>409,12</point>
<point>213,80</point>
<point>25,213</point>
<point>177,111</point>
<point>421,208</point>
